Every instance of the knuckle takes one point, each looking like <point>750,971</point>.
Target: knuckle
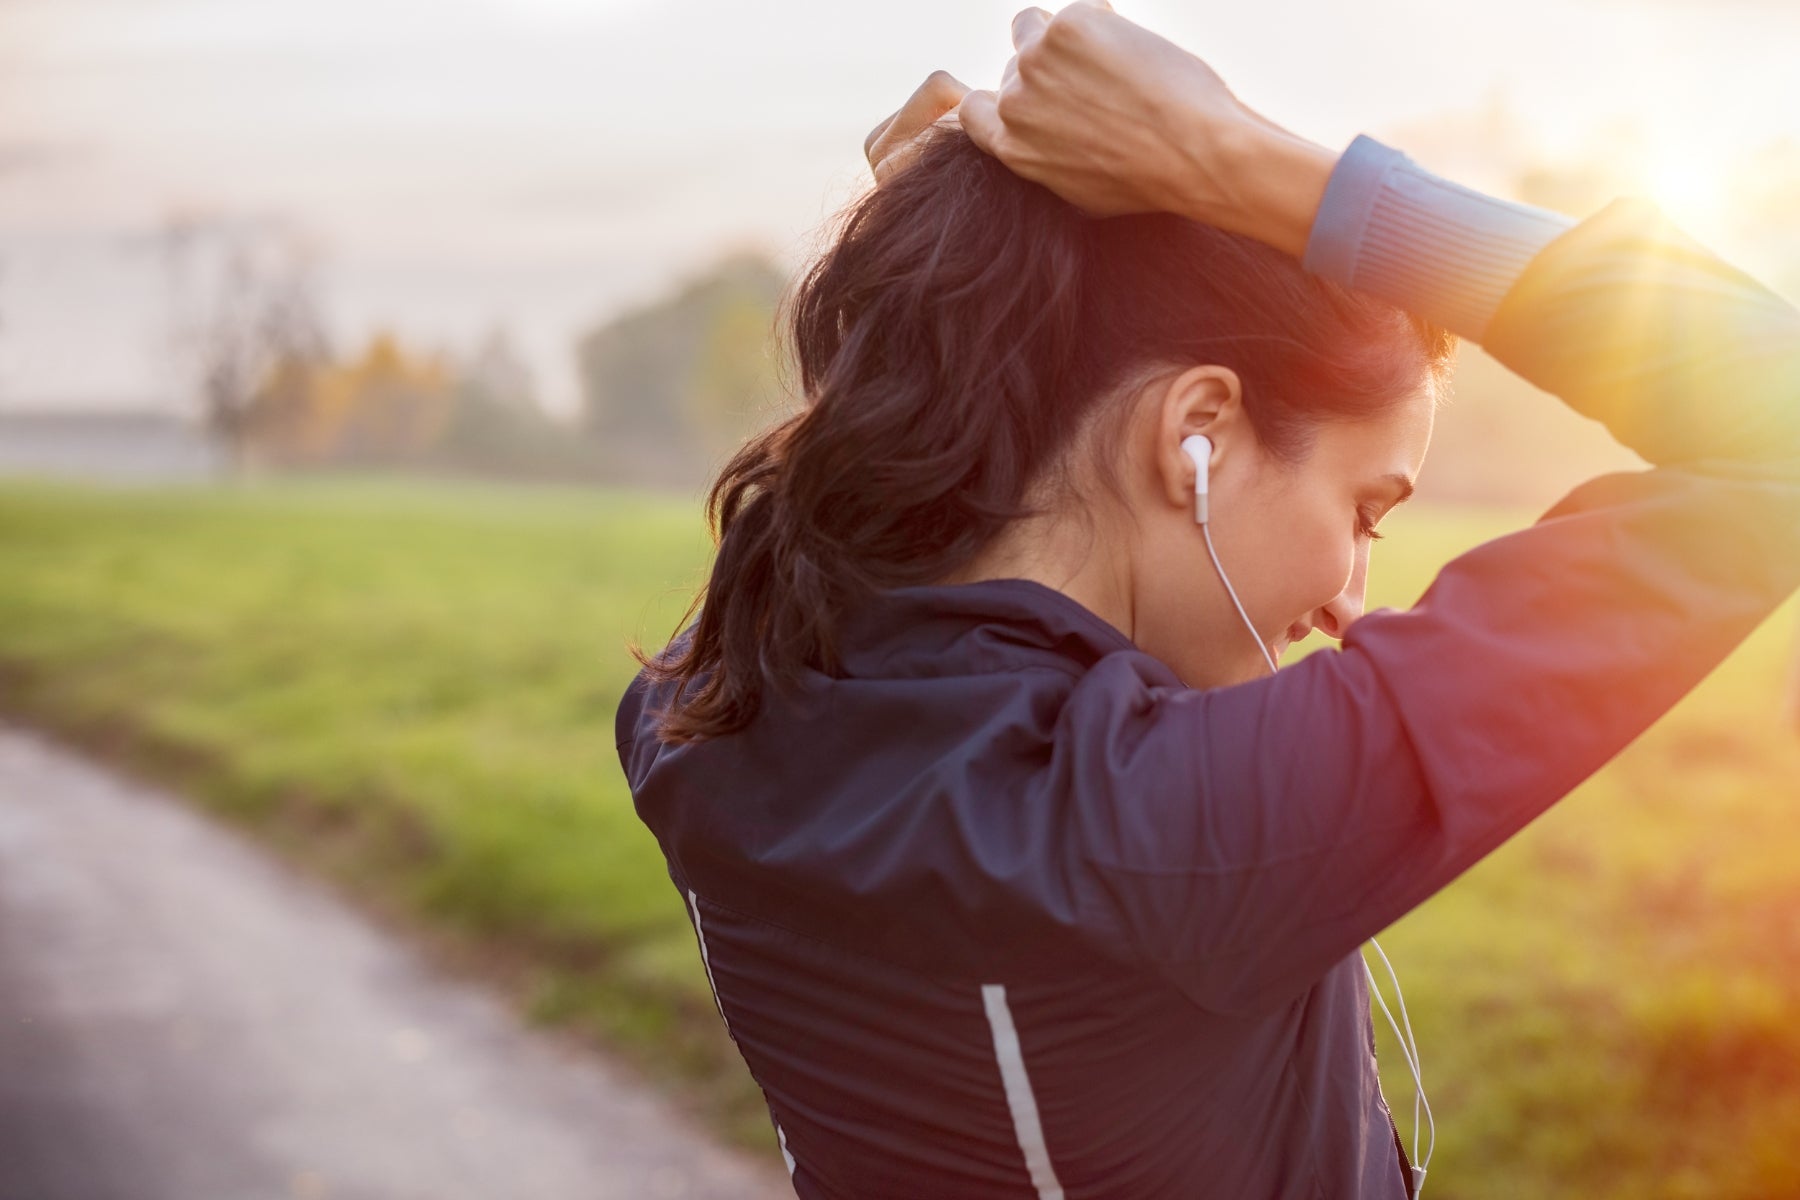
<point>975,115</point>
<point>1030,60</point>
<point>1064,28</point>
<point>1026,19</point>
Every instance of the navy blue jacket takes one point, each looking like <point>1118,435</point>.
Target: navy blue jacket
<point>1007,910</point>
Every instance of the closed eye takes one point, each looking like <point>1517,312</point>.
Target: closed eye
<point>1367,516</point>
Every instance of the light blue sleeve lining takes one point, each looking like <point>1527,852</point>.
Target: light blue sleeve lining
<point>1444,251</point>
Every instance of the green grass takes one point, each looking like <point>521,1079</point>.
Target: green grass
<point>412,688</point>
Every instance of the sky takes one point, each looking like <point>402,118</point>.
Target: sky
<point>541,165</point>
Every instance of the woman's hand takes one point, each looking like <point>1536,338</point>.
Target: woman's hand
<point>1117,120</point>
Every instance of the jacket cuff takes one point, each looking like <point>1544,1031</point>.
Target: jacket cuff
<point>1446,252</point>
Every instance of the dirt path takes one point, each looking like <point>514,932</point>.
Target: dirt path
<point>184,1018</point>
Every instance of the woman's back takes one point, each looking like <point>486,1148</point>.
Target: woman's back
<point>887,872</point>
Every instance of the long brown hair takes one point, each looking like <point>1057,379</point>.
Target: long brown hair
<point>949,344</point>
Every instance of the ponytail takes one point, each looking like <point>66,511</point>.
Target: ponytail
<point>949,345</point>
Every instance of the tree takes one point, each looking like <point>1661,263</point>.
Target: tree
<point>246,327</point>
<point>496,425</point>
<point>384,408</point>
<point>734,384</point>
<point>692,373</point>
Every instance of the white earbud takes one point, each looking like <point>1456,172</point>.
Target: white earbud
<point>1199,448</point>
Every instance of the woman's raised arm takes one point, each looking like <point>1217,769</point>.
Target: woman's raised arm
<point>1250,837</point>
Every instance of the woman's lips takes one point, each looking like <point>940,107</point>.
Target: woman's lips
<point>1294,632</point>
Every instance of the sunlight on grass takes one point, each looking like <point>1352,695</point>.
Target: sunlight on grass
<point>416,685</point>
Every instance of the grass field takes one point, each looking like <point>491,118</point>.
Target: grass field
<point>412,687</point>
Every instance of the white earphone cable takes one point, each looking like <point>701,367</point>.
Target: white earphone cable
<point>1206,531</point>
<point>1400,999</point>
<point>1411,1055</point>
<point>1409,1045</point>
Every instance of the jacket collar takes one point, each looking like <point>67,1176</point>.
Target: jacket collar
<point>955,629</point>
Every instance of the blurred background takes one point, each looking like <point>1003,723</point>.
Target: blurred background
<point>541,238</point>
<point>296,294</point>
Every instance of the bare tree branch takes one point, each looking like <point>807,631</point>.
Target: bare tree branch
<point>245,322</point>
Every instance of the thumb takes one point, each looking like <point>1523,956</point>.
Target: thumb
<point>979,115</point>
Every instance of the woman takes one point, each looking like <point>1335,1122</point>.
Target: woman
<point>1016,868</point>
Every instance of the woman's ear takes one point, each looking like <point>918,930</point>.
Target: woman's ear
<point>1207,400</point>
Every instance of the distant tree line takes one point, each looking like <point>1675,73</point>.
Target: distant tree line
<point>667,389</point>
<point>387,406</point>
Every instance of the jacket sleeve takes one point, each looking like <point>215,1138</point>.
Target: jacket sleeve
<point>1246,839</point>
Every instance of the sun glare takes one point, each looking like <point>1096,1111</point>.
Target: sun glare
<point>1691,183</point>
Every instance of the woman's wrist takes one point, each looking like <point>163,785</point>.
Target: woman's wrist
<point>1265,183</point>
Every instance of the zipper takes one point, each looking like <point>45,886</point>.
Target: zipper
<point>1406,1171</point>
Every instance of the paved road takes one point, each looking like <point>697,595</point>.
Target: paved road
<point>184,1018</point>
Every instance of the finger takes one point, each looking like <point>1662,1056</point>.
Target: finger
<point>903,153</point>
<point>941,90</point>
<point>1028,27</point>
<point>875,134</point>
<point>948,86</point>
<point>1011,72</point>
<point>980,119</point>
<point>940,93</point>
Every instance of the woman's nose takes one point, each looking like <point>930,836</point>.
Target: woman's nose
<point>1333,619</point>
